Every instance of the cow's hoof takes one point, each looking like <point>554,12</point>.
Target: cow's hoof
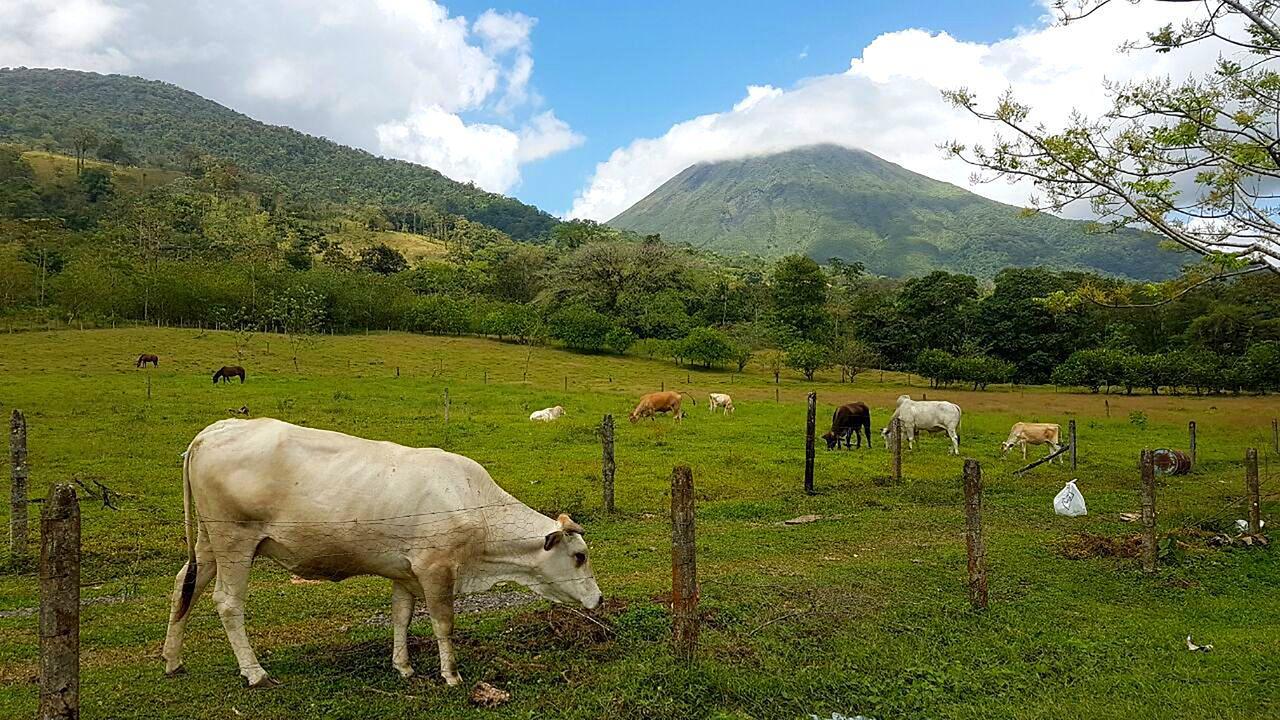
<point>175,672</point>
<point>405,671</point>
<point>452,680</point>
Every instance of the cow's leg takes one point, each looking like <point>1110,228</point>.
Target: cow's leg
<point>1024,451</point>
<point>401,616</point>
<point>955,441</point>
<point>229,592</point>
<point>205,568</point>
<point>437,594</point>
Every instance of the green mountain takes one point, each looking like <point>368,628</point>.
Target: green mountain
<point>160,124</point>
<point>827,201</point>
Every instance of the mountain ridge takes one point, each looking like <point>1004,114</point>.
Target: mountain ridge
<point>160,122</point>
<point>829,200</point>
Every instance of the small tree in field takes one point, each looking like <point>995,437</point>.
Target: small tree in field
<point>808,357</point>
<point>300,314</point>
<point>855,356</point>
<point>774,361</point>
<point>706,346</point>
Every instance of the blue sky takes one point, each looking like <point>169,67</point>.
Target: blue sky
<point>619,71</point>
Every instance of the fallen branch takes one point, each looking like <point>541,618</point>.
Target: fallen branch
<point>1043,460</point>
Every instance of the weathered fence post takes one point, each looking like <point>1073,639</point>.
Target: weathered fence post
<point>397,371</point>
<point>895,446</point>
<point>1275,436</point>
<point>148,387</point>
<point>1251,488</point>
<point>684,570</point>
<point>974,542</point>
<point>566,383</point>
<point>662,385</point>
<point>777,397</point>
<point>1107,404</point>
<point>809,423</point>
<point>1148,512</point>
<point>19,472</point>
<point>1191,438</point>
<point>60,605</point>
<point>486,376</point>
<point>1071,429</point>
<point>607,465</point>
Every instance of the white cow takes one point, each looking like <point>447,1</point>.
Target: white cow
<point>1024,434</point>
<point>330,506</point>
<point>720,401</point>
<point>547,414</point>
<point>927,416</point>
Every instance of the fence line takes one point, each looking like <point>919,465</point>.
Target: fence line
<point>19,554</point>
<point>60,605</point>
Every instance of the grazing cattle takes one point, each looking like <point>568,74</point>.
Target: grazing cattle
<point>927,416</point>
<point>325,505</point>
<point>1025,434</point>
<point>660,402</point>
<point>145,358</point>
<point>853,419</point>
<point>547,414</point>
<point>720,401</point>
<point>226,372</point>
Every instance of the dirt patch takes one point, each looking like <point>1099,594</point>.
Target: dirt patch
<point>466,604</point>
<point>561,628</point>
<point>1086,545</point>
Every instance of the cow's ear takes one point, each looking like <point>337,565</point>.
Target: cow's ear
<point>552,538</point>
<point>569,525</point>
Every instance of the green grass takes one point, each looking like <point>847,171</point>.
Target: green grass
<point>50,167</point>
<point>863,611</point>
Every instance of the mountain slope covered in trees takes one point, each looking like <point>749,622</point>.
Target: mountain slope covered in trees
<point>155,123</point>
<point>827,201</point>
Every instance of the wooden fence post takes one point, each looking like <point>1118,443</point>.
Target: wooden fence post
<point>148,387</point>
<point>974,542</point>
<point>19,555</point>
<point>776,395</point>
<point>1251,487</point>
<point>607,466</point>
<point>566,383</point>
<point>809,423</point>
<point>1275,436</point>
<point>60,605</point>
<point>1107,403</point>
<point>1071,429</point>
<point>684,571</point>
<point>1148,513</point>
<point>895,446</point>
<point>1191,437</point>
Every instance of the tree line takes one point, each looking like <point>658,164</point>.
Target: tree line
<point>218,248</point>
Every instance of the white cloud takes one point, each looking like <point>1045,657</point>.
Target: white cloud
<point>390,76</point>
<point>489,155</point>
<point>889,102</point>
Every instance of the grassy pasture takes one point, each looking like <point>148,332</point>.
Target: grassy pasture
<point>51,167</point>
<point>863,611</point>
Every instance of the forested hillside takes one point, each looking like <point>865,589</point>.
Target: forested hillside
<point>827,201</point>
<point>153,123</point>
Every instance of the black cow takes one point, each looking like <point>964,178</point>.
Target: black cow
<point>853,419</point>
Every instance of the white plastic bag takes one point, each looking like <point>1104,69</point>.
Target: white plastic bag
<point>1069,501</point>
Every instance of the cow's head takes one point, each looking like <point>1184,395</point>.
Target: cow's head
<point>831,439</point>
<point>903,398</point>
<point>1006,446</point>
<point>635,415</point>
<point>562,570</point>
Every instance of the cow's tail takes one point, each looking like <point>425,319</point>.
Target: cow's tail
<point>692,400</point>
<point>188,514</point>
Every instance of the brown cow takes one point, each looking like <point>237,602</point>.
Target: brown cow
<point>226,372</point>
<point>847,421</point>
<point>145,358</point>
<point>660,402</point>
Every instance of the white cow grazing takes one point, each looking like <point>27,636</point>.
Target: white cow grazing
<point>928,416</point>
<point>1025,434</point>
<point>325,505</point>
<point>547,414</point>
<point>720,401</point>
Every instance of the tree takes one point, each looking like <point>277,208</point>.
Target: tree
<point>939,308</point>
<point>808,357</point>
<point>96,184</point>
<point>936,365</point>
<point>799,292</point>
<point>1193,160</point>
<point>112,150</point>
<point>300,314</point>
<point>580,328</point>
<point>382,259</point>
<point>773,360</point>
<point>83,140</point>
<point>854,356</point>
<point>706,346</point>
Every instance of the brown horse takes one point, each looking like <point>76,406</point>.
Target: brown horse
<point>226,372</point>
<point>145,358</point>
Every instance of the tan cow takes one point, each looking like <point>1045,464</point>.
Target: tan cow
<point>660,402</point>
<point>1025,434</point>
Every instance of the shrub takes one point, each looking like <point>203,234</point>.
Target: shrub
<point>808,357</point>
<point>706,346</point>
